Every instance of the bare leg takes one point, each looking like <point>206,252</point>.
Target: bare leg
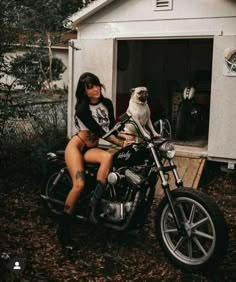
<point>75,165</point>
<point>74,162</point>
<point>104,158</point>
<point>97,155</point>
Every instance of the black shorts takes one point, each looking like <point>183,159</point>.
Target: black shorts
<point>85,149</point>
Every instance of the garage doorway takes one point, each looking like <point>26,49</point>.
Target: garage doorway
<point>166,67</point>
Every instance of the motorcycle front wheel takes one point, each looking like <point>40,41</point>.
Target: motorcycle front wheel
<point>203,240</point>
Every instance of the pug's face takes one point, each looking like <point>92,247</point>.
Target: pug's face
<point>139,94</point>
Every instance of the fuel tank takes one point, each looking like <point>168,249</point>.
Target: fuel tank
<point>133,154</point>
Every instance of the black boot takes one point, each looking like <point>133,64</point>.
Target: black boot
<point>95,200</point>
<point>64,231</point>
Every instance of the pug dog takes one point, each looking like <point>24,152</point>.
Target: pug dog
<point>139,110</point>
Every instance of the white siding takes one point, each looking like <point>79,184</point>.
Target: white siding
<point>137,18</point>
<point>222,133</point>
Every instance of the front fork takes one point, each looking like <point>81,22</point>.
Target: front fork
<point>166,187</point>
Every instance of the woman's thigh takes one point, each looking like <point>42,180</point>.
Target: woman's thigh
<point>97,155</point>
<point>74,159</point>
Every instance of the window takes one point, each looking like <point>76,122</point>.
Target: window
<point>162,5</point>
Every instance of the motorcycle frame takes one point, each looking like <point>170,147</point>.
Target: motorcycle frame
<point>161,169</point>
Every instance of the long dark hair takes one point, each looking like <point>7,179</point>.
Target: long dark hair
<point>86,80</point>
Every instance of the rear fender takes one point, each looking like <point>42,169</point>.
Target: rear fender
<point>55,161</point>
<point>54,156</point>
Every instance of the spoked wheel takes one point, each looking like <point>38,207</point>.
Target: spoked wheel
<point>55,190</point>
<point>203,241</point>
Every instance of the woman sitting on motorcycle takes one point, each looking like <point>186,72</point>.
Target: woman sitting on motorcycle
<point>94,116</point>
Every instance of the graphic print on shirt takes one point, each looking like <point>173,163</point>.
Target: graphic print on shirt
<point>101,116</point>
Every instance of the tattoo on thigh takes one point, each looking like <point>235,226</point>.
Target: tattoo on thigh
<point>79,174</point>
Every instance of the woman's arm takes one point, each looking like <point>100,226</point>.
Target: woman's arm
<point>116,141</point>
<point>84,114</point>
<point>107,102</point>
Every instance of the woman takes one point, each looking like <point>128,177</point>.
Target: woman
<point>94,116</point>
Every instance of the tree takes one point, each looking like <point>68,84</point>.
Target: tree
<point>32,69</point>
<point>33,23</point>
<point>37,15</point>
<point>30,23</point>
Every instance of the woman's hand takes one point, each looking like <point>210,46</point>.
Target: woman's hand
<point>127,142</point>
<point>121,142</point>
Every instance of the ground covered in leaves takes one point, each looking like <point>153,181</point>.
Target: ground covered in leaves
<point>27,232</point>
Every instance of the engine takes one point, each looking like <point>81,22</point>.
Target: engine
<point>133,176</point>
<point>121,190</point>
<point>115,212</point>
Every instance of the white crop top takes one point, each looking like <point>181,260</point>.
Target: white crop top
<point>99,114</point>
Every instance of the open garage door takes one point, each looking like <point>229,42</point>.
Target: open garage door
<point>90,55</point>
<point>167,67</point>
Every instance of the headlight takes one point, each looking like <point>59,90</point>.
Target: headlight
<point>167,150</point>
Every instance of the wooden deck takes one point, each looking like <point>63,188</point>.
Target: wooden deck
<point>190,170</point>
<point>190,162</point>
<point>191,152</point>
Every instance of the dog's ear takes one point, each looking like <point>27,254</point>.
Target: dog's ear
<point>132,91</point>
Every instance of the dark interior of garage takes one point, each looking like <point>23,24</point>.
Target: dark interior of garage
<point>168,67</point>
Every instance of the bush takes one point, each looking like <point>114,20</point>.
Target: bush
<point>28,134</point>
<point>32,69</point>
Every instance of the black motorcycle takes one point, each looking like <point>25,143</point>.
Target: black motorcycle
<point>189,225</point>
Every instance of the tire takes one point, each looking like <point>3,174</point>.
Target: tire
<point>205,244</point>
<point>58,191</point>
<point>186,126</point>
<point>181,125</point>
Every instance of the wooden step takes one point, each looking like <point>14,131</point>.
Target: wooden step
<point>189,169</point>
<point>190,151</point>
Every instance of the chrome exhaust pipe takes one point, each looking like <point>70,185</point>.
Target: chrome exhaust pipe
<point>49,199</point>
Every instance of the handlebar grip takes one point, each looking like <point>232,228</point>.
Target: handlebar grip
<point>106,135</point>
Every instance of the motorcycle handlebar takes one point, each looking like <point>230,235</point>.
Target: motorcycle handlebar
<point>119,125</point>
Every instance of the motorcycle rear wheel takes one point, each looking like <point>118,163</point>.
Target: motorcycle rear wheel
<point>57,192</point>
<point>205,238</point>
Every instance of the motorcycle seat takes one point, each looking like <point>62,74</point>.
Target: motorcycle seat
<point>60,153</point>
<point>91,166</point>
